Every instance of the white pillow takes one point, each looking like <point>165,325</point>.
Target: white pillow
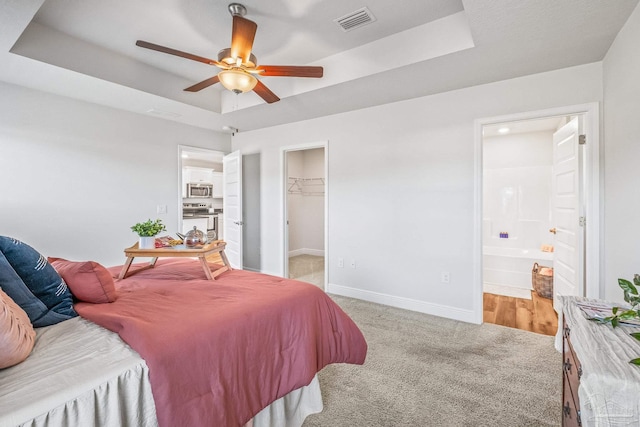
<point>17,336</point>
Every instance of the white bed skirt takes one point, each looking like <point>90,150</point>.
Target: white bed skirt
<point>292,409</point>
<point>80,374</point>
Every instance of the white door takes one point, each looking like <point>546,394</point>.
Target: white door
<point>232,207</point>
<point>566,205</point>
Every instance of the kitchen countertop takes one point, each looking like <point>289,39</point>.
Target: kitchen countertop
<point>200,215</point>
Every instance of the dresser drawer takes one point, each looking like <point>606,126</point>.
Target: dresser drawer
<point>568,348</point>
<point>570,411</point>
<point>572,371</point>
<point>571,368</point>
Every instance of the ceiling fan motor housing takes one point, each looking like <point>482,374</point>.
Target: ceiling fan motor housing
<point>224,56</point>
<point>236,9</point>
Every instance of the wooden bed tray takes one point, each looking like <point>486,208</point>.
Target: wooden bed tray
<point>200,252</point>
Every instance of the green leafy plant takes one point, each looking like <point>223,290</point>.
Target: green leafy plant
<point>621,314</point>
<point>149,228</point>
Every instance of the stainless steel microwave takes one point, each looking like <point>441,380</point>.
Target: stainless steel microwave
<point>197,189</point>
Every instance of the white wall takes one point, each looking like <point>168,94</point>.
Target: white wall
<point>621,71</point>
<point>401,186</point>
<point>76,176</point>
<point>295,168</point>
<point>313,203</point>
<point>517,189</point>
<point>251,212</point>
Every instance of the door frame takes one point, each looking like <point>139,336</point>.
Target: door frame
<point>592,181</point>
<point>283,214</point>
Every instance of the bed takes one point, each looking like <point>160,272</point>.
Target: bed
<point>177,349</point>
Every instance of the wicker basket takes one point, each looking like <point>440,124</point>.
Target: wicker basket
<point>542,284</point>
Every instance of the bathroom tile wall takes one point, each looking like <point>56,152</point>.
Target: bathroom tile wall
<point>517,189</point>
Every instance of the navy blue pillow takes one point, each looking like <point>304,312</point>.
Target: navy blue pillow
<point>29,279</point>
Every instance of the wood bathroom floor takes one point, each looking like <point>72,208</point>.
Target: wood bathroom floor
<point>534,315</point>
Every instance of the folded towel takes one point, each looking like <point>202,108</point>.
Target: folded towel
<point>546,271</point>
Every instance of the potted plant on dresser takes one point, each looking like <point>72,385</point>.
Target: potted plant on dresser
<point>622,314</point>
<point>147,232</point>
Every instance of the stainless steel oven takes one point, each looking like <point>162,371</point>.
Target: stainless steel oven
<point>212,227</point>
<point>199,190</point>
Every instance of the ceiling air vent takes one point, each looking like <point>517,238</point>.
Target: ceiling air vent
<point>356,19</point>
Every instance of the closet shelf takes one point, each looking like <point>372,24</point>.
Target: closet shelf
<point>306,186</point>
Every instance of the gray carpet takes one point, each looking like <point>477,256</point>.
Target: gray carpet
<point>423,370</point>
<point>307,268</point>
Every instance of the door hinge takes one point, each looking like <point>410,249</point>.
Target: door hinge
<point>582,139</point>
<point>582,221</point>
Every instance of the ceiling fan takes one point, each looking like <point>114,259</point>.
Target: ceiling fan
<point>239,66</point>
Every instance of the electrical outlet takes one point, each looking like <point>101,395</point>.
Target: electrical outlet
<point>444,277</point>
<point>161,209</point>
<point>341,262</point>
<point>353,263</point>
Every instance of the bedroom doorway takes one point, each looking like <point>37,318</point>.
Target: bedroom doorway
<point>305,208</point>
<point>492,243</point>
<point>199,166</point>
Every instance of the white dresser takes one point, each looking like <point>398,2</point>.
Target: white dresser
<point>600,386</point>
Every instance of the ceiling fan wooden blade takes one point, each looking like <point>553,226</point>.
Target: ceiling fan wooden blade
<point>175,52</point>
<point>290,71</point>
<point>203,84</point>
<point>242,35</point>
<point>265,93</point>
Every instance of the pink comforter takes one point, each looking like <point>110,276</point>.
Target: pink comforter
<point>220,351</point>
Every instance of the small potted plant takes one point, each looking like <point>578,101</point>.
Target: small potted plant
<point>147,231</point>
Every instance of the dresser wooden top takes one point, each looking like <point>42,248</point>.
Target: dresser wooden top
<point>609,389</point>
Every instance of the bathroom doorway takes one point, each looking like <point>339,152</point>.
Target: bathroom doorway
<point>517,195</point>
<point>517,163</point>
<point>517,214</point>
<point>305,187</point>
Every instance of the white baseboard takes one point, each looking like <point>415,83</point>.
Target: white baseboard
<point>449,312</point>
<point>306,251</point>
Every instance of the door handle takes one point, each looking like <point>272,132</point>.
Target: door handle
<point>552,230</point>
<point>238,222</point>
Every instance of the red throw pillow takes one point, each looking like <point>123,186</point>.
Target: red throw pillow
<point>87,280</point>
<point>17,336</point>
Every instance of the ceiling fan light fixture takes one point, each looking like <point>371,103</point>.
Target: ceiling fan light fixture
<point>237,81</point>
<point>238,64</point>
<point>225,56</point>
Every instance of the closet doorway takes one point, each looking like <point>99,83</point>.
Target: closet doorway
<point>305,227</point>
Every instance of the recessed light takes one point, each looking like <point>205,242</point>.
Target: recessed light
<point>185,156</point>
<point>504,130</point>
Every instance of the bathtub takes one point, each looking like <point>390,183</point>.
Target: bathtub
<point>511,267</point>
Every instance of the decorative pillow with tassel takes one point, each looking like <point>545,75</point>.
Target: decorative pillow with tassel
<point>28,278</point>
